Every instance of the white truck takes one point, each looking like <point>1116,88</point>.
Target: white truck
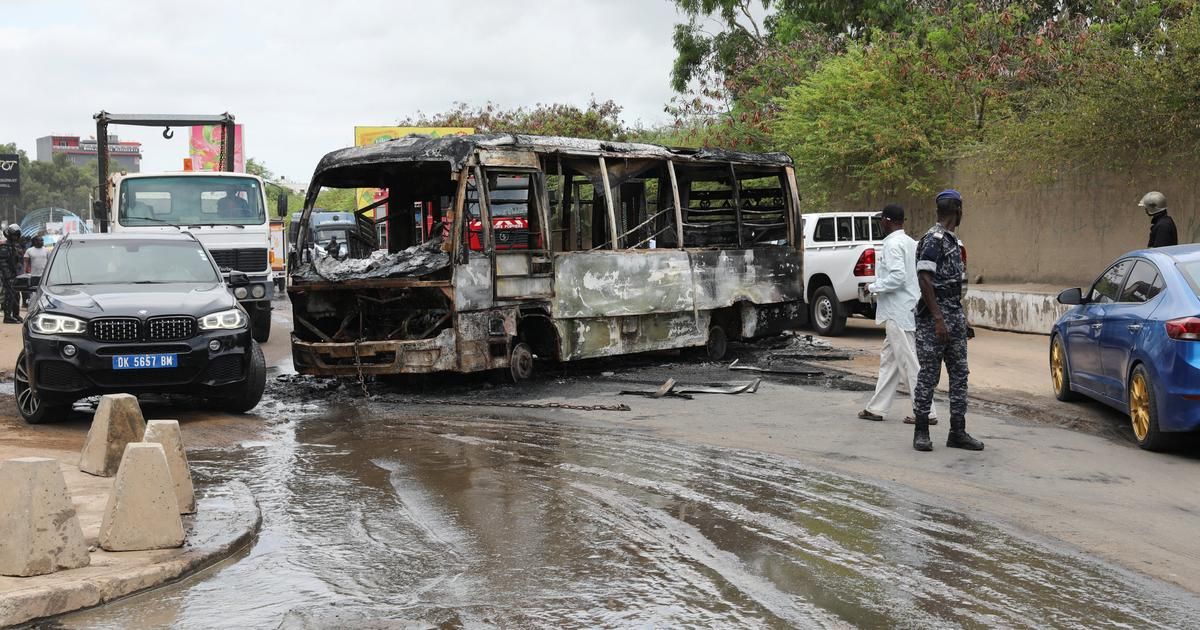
<point>226,211</point>
<point>839,262</point>
<point>840,249</point>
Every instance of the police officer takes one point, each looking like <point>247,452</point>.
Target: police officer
<point>1162,226</point>
<point>10,267</point>
<point>942,329</point>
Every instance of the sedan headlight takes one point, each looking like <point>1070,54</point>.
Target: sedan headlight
<point>46,324</point>
<point>224,320</point>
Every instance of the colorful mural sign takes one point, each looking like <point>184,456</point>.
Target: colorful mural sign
<point>364,136</point>
<point>205,148</point>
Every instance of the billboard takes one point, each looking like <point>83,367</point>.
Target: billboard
<point>204,147</point>
<point>364,136</point>
<point>10,174</point>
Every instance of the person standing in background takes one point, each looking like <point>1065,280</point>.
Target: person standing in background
<point>1162,226</point>
<point>896,293</point>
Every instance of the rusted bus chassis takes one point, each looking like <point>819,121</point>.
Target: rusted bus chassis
<point>501,247</point>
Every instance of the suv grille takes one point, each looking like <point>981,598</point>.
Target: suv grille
<point>171,328</point>
<point>60,375</point>
<point>249,259</point>
<point>111,329</point>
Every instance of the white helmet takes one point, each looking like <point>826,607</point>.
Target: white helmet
<point>1153,202</point>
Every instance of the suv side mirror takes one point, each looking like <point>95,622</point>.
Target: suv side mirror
<point>281,204</point>
<point>26,282</point>
<point>238,278</point>
<point>1071,297</point>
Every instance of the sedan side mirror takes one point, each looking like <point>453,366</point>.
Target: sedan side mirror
<point>238,278</point>
<point>1071,297</point>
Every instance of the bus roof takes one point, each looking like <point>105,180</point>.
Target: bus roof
<point>338,168</point>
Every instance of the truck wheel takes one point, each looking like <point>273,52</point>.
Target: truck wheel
<point>828,316</point>
<point>260,324</point>
<point>244,396</point>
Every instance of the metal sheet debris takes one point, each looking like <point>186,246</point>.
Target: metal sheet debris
<point>418,260</point>
<point>669,388</point>
<point>774,370</point>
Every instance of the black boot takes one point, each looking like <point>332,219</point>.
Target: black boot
<point>921,441</point>
<point>959,438</point>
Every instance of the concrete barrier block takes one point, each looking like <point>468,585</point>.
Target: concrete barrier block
<point>166,432</point>
<point>39,532</point>
<point>117,422</point>
<point>142,512</point>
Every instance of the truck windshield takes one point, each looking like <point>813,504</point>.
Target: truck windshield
<point>128,262</point>
<point>190,200</point>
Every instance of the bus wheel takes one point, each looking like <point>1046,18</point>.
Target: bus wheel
<point>520,363</point>
<point>716,343</point>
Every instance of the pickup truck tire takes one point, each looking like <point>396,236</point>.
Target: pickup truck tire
<point>828,317</point>
<point>244,396</point>
<point>260,324</point>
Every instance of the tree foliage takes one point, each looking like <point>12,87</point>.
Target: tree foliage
<point>599,120</point>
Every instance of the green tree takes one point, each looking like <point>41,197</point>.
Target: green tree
<point>275,188</point>
<point>599,120</point>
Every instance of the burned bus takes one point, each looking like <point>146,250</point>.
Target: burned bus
<point>605,248</point>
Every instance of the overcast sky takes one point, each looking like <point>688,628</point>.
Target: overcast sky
<point>300,74</point>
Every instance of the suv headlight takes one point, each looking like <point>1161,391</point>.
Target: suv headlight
<point>46,324</point>
<point>224,320</point>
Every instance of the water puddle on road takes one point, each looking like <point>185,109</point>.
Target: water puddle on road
<point>470,522</point>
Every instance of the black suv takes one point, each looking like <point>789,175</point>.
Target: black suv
<point>135,313</point>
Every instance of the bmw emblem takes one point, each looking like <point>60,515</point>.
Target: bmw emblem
<point>143,312</point>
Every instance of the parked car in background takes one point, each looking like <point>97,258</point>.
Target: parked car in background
<point>136,313</point>
<point>839,263</point>
<point>1132,341</point>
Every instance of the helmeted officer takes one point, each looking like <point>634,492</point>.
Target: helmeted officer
<point>1162,226</point>
<point>10,267</point>
<point>942,329</point>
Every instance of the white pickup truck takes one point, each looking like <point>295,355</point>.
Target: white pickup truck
<point>839,262</point>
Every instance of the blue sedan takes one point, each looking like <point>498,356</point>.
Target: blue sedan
<point>1132,342</point>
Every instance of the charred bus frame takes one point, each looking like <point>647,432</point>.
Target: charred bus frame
<point>626,248</point>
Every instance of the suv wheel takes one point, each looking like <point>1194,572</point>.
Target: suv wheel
<point>31,407</point>
<point>828,317</point>
<point>244,396</point>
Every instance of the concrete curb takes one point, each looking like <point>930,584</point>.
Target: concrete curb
<point>227,520</point>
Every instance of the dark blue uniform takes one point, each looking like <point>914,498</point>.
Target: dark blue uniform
<point>939,253</point>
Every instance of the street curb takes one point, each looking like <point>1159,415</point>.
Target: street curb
<point>227,520</point>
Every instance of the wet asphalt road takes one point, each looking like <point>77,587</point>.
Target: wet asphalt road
<point>382,517</point>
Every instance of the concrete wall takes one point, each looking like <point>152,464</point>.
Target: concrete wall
<point>1062,230</point>
<point>1017,308</point>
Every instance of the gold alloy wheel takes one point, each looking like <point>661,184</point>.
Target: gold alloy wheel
<point>1139,406</point>
<point>1056,366</point>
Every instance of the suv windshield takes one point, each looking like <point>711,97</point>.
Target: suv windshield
<point>190,200</point>
<point>127,262</point>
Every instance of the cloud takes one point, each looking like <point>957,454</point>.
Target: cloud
<point>301,74</point>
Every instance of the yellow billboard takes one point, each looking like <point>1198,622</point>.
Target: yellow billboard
<point>374,135</point>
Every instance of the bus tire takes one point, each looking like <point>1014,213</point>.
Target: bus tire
<point>520,363</point>
<point>717,343</point>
